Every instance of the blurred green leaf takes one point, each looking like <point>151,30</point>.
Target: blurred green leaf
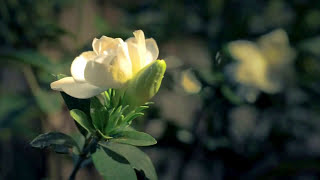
<point>82,119</point>
<point>60,76</point>
<point>112,166</point>
<point>30,57</point>
<point>48,102</point>
<point>230,95</point>
<point>101,25</point>
<point>311,45</point>
<point>57,141</point>
<point>134,138</point>
<point>137,158</point>
<point>9,103</point>
<point>19,122</point>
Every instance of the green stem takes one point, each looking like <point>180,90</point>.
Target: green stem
<point>83,156</point>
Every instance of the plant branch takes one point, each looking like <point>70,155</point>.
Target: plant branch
<point>82,157</point>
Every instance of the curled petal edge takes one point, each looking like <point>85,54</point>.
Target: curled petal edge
<point>80,90</point>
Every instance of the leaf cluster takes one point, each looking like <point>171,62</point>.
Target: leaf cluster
<point>105,122</point>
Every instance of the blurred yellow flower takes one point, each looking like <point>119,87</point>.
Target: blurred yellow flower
<point>262,65</point>
<point>110,65</point>
<point>189,82</point>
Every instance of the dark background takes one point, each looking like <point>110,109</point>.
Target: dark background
<point>205,128</point>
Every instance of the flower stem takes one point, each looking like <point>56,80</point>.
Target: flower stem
<point>90,143</point>
<point>76,168</point>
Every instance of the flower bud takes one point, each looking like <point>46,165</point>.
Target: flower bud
<point>145,84</point>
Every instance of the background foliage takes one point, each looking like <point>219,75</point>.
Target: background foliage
<point>205,127</point>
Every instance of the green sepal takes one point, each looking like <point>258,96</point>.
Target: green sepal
<point>145,84</point>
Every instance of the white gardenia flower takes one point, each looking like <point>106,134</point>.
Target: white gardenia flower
<point>111,64</point>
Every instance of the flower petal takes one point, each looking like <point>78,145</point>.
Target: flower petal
<point>79,63</point>
<point>121,67</point>
<point>276,47</point>
<point>137,50</point>
<point>105,43</point>
<point>76,89</point>
<point>245,51</point>
<point>152,50</point>
<point>252,69</point>
<point>111,71</point>
<point>137,64</point>
<point>96,72</point>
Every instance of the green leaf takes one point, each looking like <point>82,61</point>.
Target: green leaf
<point>141,108</point>
<point>79,139</point>
<point>82,119</point>
<point>131,116</point>
<point>74,103</point>
<point>58,142</point>
<point>121,128</point>
<point>107,99</point>
<point>230,95</point>
<point>113,118</point>
<point>60,76</point>
<point>134,138</point>
<point>95,103</point>
<point>137,158</point>
<point>81,104</point>
<point>101,25</point>
<point>99,117</point>
<point>112,166</point>
<point>98,113</point>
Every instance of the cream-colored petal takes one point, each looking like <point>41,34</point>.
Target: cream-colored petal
<point>252,68</point>
<point>245,51</point>
<point>111,71</point>
<point>79,63</point>
<point>276,47</point>
<point>278,36</point>
<point>131,40</point>
<point>189,82</point>
<point>105,43</point>
<point>135,56</point>
<point>96,72</point>
<point>121,67</point>
<point>152,50</point>
<point>76,89</point>
<point>139,35</point>
<point>140,48</point>
<point>141,42</point>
